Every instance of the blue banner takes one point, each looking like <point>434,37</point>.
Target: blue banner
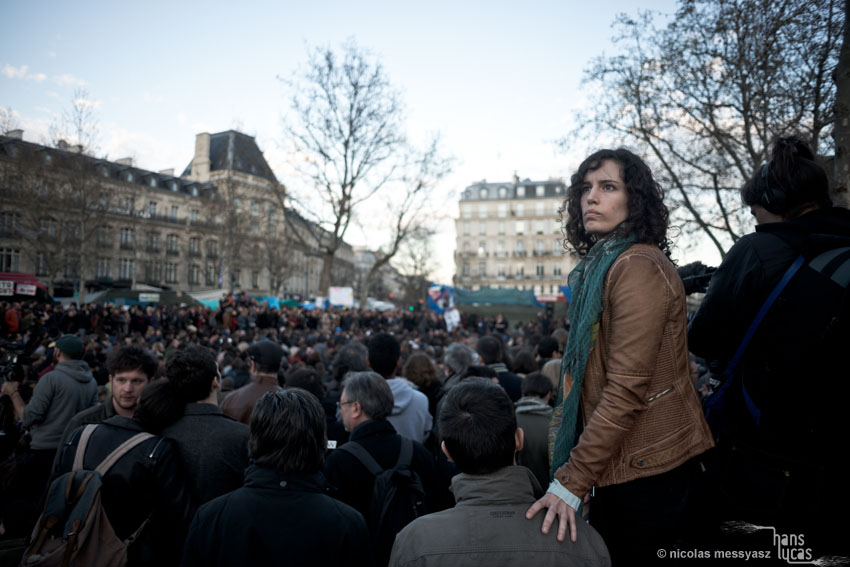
<point>440,298</point>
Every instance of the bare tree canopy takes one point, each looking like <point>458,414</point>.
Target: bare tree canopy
<point>345,126</point>
<point>406,208</point>
<point>704,95</point>
<point>78,128</point>
<point>841,134</point>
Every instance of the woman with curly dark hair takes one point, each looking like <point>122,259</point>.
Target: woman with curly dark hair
<point>632,422</point>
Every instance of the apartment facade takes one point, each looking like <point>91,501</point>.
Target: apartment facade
<point>80,222</point>
<point>509,236</point>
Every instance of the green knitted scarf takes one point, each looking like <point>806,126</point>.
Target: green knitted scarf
<point>586,282</point>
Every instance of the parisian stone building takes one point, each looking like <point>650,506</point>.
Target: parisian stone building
<point>509,236</point>
<point>76,221</point>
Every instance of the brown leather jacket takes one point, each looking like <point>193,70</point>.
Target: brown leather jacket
<point>641,411</point>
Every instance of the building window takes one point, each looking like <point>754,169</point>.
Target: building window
<point>127,238</point>
<point>520,210</point>
<point>482,269</point>
<point>40,264</point>
<point>72,267</point>
<point>153,271</point>
<point>538,226</point>
<point>195,246</point>
<point>255,279</point>
<point>212,248</point>
<point>152,209</point>
<point>210,274</point>
<point>47,227</point>
<point>520,270</point>
<point>466,212</point>
<point>466,229</point>
<point>152,243</point>
<point>503,192</point>
<point>538,208</point>
<point>194,191</point>
<point>466,269</point>
<point>236,277</point>
<point>194,215</point>
<point>540,190</point>
<point>174,186</point>
<point>9,259</point>
<point>102,268</point>
<point>520,248</point>
<point>502,228</point>
<point>255,229</point>
<point>482,248</point>
<point>557,247</point>
<point>501,271</point>
<point>174,212</point>
<point>194,274</point>
<point>556,271</point>
<point>482,228</point>
<point>128,205</point>
<point>255,209</point>
<point>520,227</point>
<point>171,273</point>
<point>503,210</point>
<point>482,193</point>
<point>538,247</point>
<point>172,244</point>
<point>540,269</point>
<point>10,224</point>
<point>103,236</point>
<point>482,211</point>
<point>126,268</point>
<point>520,191</point>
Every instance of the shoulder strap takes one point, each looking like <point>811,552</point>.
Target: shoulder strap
<point>405,454</point>
<point>363,456</point>
<point>81,446</point>
<point>768,303</point>
<point>121,450</point>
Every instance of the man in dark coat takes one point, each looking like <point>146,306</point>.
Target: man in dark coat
<point>281,515</point>
<point>213,447</point>
<point>365,404</point>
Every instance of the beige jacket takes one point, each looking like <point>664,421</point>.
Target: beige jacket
<point>642,415</point>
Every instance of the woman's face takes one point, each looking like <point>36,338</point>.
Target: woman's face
<point>604,200</point>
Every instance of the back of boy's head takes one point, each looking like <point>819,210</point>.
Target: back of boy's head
<point>478,426</point>
<point>384,350</point>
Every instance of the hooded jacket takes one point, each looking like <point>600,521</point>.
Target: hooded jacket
<point>59,395</point>
<point>410,416</point>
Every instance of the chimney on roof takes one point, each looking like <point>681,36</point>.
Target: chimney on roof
<point>201,161</point>
<point>63,145</point>
<point>17,133</point>
<point>169,171</point>
<point>125,161</point>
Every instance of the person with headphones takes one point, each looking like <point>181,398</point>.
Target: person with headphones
<point>782,416</point>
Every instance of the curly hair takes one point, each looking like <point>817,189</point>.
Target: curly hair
<point>648,215</point>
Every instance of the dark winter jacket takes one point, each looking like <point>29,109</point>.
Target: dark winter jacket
<point>277,519</point>
<point>147,481</point>
<point>794,369</point>
<point>352,483</point>
<point>213,450</point>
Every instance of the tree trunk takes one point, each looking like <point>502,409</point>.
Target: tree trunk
<point>840,192</point>
<point>325,280</point>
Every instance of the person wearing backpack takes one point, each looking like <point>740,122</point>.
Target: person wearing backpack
<point>782,427</point>
<point>146,488</point>
<point>364,405</point>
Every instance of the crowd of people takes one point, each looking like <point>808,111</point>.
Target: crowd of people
<point>252,435</point>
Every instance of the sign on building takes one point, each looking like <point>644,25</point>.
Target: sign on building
<point>26,289</point>
<point>7,288</point>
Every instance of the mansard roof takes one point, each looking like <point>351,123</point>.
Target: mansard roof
<point>235,151</point>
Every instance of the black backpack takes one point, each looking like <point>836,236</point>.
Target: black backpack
<point>398,496</point>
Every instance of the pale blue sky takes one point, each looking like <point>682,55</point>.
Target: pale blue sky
<point>499,80</point>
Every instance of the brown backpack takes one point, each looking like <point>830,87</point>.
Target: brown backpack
<point>73,528</point>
